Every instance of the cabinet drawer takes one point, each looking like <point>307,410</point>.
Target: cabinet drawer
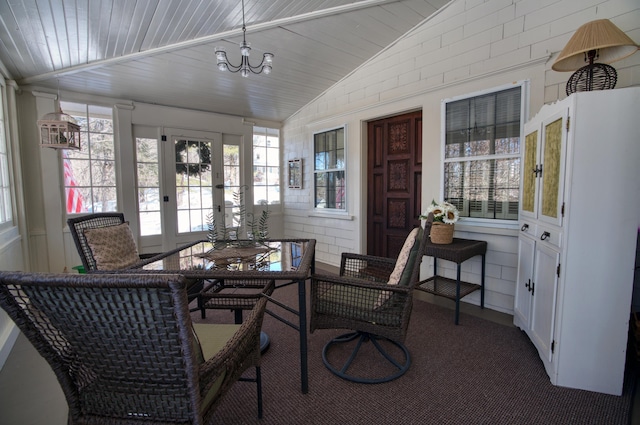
<point>550,235</point>
<point>528,228</point>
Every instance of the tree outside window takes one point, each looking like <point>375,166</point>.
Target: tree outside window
<point>90,173</point>
<point>482,154</point>
<point>329,170</point>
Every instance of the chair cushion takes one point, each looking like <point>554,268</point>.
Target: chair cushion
<point>112,247</point>
<point>212,339</point>
<point>404,265</point>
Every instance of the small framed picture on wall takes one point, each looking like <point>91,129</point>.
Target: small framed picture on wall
<point>295,173</point>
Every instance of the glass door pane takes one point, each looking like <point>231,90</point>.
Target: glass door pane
<point>194,184</point>
<point>193,165</point>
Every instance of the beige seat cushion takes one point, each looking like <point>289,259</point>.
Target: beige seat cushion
<point>112,247</point>
<point>212,339</point>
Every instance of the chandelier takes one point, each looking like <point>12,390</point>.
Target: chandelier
<point>245,48</point>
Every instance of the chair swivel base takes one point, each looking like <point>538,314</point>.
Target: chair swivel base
<point>401,365</point>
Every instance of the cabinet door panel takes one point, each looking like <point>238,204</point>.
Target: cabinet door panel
<point>544,298</point>
<point>528,203</point>
<point>554,138</point>
<point>523,299</point>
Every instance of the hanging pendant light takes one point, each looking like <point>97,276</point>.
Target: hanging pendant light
<point>245,68</point>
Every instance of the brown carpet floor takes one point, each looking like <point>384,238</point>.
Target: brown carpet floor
<point>479,372</point>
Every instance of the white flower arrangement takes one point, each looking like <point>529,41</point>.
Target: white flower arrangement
<point>443,212</point>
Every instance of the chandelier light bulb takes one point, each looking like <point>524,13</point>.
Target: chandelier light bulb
<point>245,48</point>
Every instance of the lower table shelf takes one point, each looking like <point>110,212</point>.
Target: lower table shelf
<point>445,287</point>
<point>458,251</point>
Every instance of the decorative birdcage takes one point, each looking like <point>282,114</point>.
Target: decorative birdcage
<point>59,131</point>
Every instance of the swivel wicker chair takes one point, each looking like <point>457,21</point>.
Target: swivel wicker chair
<point>122,365</point>
<point>373,297</point>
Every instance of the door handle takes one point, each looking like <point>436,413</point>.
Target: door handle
<point>544,236</point>
<point>524,227</point>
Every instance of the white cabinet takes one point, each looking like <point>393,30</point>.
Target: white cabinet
<point>579,216</point>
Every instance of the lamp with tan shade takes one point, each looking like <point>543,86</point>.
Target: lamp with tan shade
<point>597,40</point>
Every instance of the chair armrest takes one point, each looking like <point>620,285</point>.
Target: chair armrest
<point>366,267</point>
<point>319,280</point>
<point>242,350</point>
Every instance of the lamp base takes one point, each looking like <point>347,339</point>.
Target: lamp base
<point>596,76</point>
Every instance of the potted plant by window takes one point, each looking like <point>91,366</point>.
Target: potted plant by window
<point>445,216</point>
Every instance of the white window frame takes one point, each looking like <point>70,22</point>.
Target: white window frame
<point>524,101</point>
<point>267,132</point>
<point>6,193</point>
<point>342,169</point>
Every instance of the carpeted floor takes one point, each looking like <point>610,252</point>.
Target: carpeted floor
<point>479,372</point>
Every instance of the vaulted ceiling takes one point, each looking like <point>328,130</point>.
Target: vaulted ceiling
<point>162,51</point>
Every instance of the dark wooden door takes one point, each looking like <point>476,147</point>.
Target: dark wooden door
<point>394,180</point>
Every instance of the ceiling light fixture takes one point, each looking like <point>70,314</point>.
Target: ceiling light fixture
<point>597,40</point>
<point>245,48</point>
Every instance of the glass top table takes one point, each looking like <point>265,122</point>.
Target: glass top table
<point>288,261</point>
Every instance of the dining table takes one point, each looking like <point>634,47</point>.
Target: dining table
<point>287,261</point>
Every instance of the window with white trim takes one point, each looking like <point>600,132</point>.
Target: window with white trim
<point>329,170</point>
<point>6,206</point>
<point>266,166</point>
<point>482,153</point>
<point>90,173</point>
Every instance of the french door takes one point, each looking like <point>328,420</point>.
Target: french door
<point>181,182</point>
<point>192,171</point>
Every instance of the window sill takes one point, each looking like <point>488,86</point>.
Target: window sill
<point>337,215</point>
<point>505,230</point>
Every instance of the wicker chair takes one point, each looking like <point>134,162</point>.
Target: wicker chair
<point>123,365</point>
<point>77,225</point>
<point>373,297</point>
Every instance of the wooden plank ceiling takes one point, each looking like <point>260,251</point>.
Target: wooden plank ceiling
<point>162,51</point>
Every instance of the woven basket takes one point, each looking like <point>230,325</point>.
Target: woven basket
<point>441,233</point>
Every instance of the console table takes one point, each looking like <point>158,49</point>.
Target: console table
<point>458,251</point>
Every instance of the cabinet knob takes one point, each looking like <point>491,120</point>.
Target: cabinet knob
<point>524,227</point>
<point>544,236</point>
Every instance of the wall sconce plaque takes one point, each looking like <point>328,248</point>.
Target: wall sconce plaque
<point>295,173</point>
